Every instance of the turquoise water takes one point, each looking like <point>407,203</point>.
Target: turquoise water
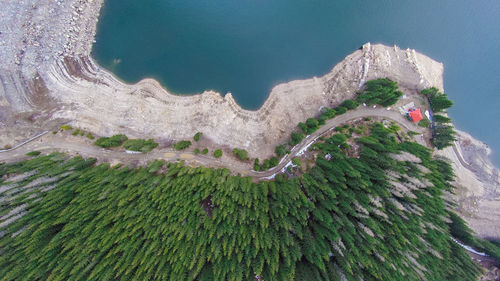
<point>248,46</point>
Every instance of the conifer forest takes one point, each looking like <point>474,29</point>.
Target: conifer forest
<point>371,208</point>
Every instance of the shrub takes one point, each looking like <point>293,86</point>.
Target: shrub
<point>196,151</point>
<point>54,132</point>
<point>296,161</point>
<point>380,91</point>
<point>76,132</point>
<point>33,153</point>
<point>204,151</point>
<point>443,136</point>
<point>197,136</point>
<point>281,150</point>
<point>296,138</point>
<point>66,127</point>
<point>359,131</point>
<point>182,145</point>
<point>340,110</point>
<point>425,123</point>
<point>339,129</point>
<point>311,125</point>
<point>140,145</point>
<point>256,166</point>
<point>441,119</point>
<point>328,113</point>
<point>90,136</point>
<point>394,127</point>
<point>82,133</point>
<point>349,104</point>
<point>218,153</point>
<point>303,127</point>
<point>273,162</point>
<point>113,141</point>
<point>240,153</point>
<point>337,139</point>
<point>266,165</point>
<point>437,100</point>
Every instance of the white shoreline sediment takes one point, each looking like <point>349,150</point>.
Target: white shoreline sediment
<point>146,108</point>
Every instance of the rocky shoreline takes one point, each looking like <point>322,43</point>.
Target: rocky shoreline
<point>47,77</point>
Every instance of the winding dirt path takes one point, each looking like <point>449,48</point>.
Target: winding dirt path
<point>48,143</point>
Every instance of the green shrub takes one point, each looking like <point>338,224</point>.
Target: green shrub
<point>380,91</point>
<point>443,136</point>
<point>218,153</point>
<point>197,136</point>
<point>140,145</point>
<point>113,141</point>
<point>76,132</point>
<point>196,151</point>
<point>54,132</point>
<point>268,163</point>
<point>359,131</point>
<point>296,138</point>
<point>296,161</point>
<point>82,133</point>
<point>394,127</point>
<point>240,154</point>
<point>182,145</point>
<point>339,129</point>
<point>204,151</point>
<point>90,136</point>
<point>337,139</point>
<point>273,162</point>
<point>340,110</point>
<point>424,123</point>
<point>328,113</point>
<point>256,165</point>
<point>349,104</point>
<point>66,127</point>
<point>310,126</point>
<point>441,119</point>
<point>438,101</point>
<point>281,150</point>
<point>33,153</point>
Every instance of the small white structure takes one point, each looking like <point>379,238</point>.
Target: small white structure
<point>428,115</point>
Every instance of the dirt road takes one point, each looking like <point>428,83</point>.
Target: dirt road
<point>49,143</point>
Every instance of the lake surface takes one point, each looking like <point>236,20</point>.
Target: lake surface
<point>248,46</point>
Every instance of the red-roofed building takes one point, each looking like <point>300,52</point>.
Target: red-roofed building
<point>415,115</point>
